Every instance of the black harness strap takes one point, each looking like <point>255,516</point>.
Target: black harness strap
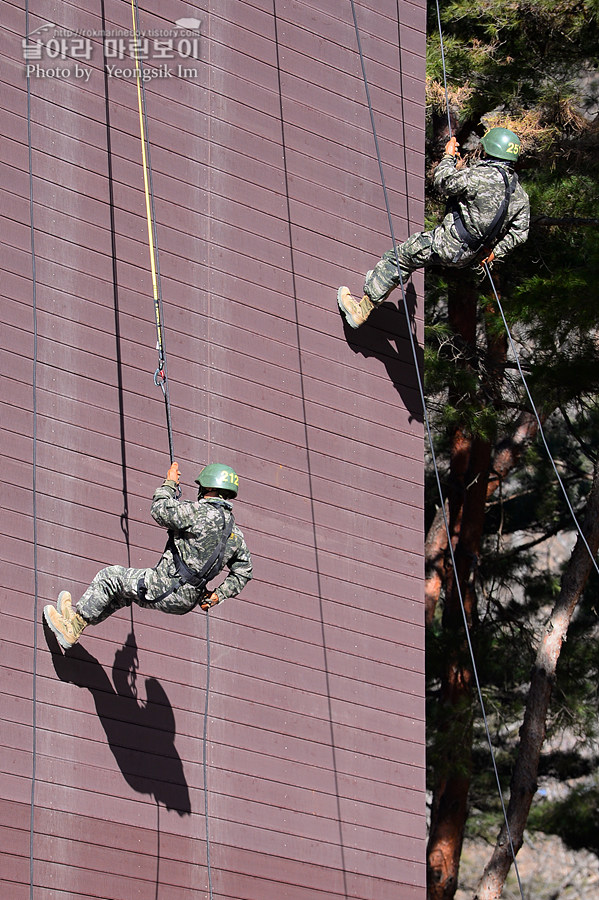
<point>472,241</point>
<point>200,579</point>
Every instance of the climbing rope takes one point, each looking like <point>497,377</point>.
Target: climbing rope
<point>205,760</point>
<point>444,69</point>
<point>160,375</point>
<point>431,446</point>
<point>537,417</point>
<point>34,475</point>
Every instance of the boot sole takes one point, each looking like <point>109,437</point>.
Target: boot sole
<point>59,637</point>
<point>344,310</point>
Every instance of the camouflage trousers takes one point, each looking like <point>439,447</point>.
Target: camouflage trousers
<point>112,589</point>
<point>115,587</point>
<point>441,246</point>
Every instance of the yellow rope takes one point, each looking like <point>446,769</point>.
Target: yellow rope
<point>160,376</point>
<point>144,159</point>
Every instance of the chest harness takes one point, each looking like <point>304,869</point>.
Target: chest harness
<point>473,242</point>
<point>185,575</point>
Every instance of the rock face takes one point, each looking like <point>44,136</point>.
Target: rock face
<point>548,870</point>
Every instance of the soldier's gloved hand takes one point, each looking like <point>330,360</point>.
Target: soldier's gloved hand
<point>209,600</point>
<point>488,259</point>
<point>173,473</point>
<point>451,147</point>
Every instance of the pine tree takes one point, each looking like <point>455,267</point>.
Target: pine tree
<point>529,65</point>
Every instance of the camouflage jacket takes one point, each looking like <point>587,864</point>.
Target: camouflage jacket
<point>197,528</point>
<point>478,191</point>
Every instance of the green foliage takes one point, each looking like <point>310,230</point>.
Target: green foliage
<point>512,51</point>
<point>575,819</point>
<point>532,65</point>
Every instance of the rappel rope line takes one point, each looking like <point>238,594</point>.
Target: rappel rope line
<point>432,450</point>
<point>205,761</point>
<point>34,476</point>
<point>536,415</point>
<point>160,376</point>
<point>444,69</point>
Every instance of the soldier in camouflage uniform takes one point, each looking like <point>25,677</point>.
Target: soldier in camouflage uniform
<point>201,532</point>
<point>488,216</point>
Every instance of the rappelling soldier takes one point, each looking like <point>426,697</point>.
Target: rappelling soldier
<point>488,215</point>
<point>203,540</point>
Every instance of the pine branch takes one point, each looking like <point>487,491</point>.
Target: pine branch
<point>566,221</point>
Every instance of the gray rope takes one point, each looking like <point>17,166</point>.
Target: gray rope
<point>34,474</point>
<point>536,415</point>
<point>205,746</point>
<point>444,69</point>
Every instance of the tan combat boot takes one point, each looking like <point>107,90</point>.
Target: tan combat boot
<point>65,622</point>
<point>355,312</point>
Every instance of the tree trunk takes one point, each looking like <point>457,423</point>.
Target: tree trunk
<point>532,733</point>
<point>436,572</point>
<point>450,795</point>
<point>469,471</point>
<point>473,480</point>
<point>509,451</point>
<point>506,457</point>
<point>450,798</point>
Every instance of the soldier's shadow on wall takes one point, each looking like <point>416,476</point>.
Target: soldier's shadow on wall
<point>385,336</point>
<point>140,733</point>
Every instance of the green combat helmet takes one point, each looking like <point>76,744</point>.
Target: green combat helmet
<point>501,143</point>
<point>219,477</point>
